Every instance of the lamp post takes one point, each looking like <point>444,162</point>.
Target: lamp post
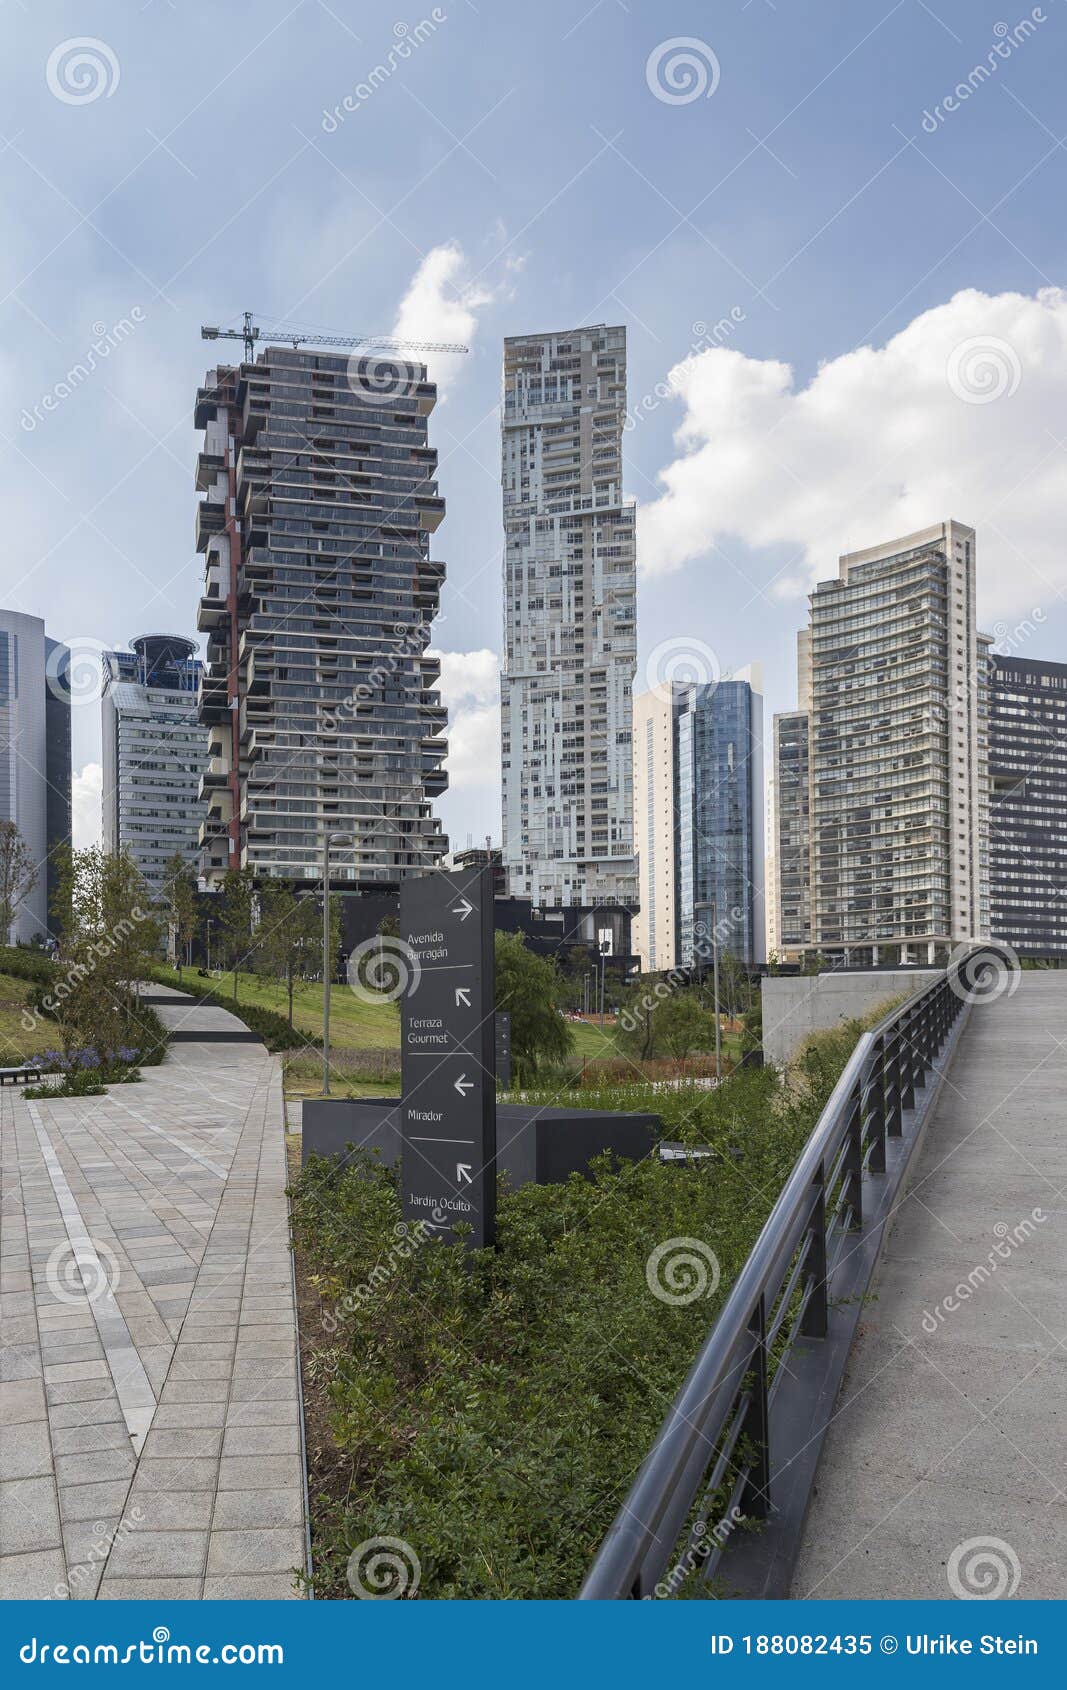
<point>712,905</point>
<point>327,959</point>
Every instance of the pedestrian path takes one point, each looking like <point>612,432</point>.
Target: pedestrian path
<point>944,1472</point>
<point>150,1434</point>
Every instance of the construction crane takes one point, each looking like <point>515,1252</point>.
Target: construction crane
<point>253,331</point>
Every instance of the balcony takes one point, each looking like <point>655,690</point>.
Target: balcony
<point>209,466</point>
<point>211,613</point>
<point>210,520</point>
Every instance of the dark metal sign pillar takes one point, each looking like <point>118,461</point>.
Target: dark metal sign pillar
<point>448,1074</point>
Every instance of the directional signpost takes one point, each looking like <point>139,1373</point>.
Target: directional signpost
<point>448,1114</point>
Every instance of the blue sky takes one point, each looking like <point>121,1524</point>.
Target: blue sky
<point>520,170</point>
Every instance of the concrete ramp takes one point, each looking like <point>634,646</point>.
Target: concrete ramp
<point>945,1469</point>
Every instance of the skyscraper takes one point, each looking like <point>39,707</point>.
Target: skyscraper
<point>34,758</point>
<point>718,806</point>
<point>318,598</point>
<point>699,830</point>
<point>898,772</point>
<point>570,634</point>
<point>792,835</point>
<point>655,928</point>
<point>1028,805</point>
<point>154,750</point>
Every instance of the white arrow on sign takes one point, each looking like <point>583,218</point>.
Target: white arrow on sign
<point>463,909</point>
<point>463,1085</point>
<point>463,1173</point>
<point>463,995</point>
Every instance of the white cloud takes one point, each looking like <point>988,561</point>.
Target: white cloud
<point>959,415</point>
<point>442,304</point>
<point>470,687</point>
<point>86,792</point>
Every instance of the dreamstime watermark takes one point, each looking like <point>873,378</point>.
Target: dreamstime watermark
<point>682,661</point>
<point>409,1238</point>
<point>155,1651</point>
<point>697,1553</point>
<point>682,70</point>
<point>982,976</point>
<point>983,1569</point>
<point>103,1541</point>
<point>76,973</point>
<point>1009,1239</point>
<point>78,1276</point>
<point>383,1569</point>
<point>103,343</point>
<point>74,673</point>
<point>378,376</point>
<point>682,1270</point>
<point>983,368</point>
<point>1007,640</point>
<point>411,642</point>
<point>408,40</point>
<point>1007,42</point>
<point>383,966</point>
<point>707,338</point>
<point>81,70</point>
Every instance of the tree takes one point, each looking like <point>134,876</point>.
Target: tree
<point>735,989</point>
<point>636,1030</point>
<point>528,988</point>
<point>289,935</point>
<point>235,919</point>
<point>18,876</point>
<point>179,903</point>
<point>683,1026</point>
<point>111,938</point>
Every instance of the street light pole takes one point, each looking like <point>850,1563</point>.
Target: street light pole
<point>327,959</point>
<point>712,905</point>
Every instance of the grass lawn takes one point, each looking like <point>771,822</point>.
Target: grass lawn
<point>16,1044</point>
<point>354,1023</point>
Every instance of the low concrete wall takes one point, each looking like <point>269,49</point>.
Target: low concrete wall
<point>796,1005</point>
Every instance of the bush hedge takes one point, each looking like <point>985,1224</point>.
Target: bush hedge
<point>272,1028</point>
<point>490,1408</point>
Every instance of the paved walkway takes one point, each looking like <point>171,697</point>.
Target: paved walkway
<point>149,1413</point>
<point>952,1422</point>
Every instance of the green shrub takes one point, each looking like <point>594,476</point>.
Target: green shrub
<point>491,1407</point>
<point>24,964</point>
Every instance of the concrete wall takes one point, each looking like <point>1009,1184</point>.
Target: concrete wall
<point>796,1005</point>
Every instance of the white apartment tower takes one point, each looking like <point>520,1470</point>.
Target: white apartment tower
<point>898,754</point>
<point>655,934</point>
<point>570,636</point>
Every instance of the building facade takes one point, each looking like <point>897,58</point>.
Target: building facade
<point>154,750</point>
<point>898,759</point>
<point>655,929</point>
<point>719,830</point>
<point>791,836</point>
<point>35,769</point>
<point>1028,805</point>
<point>570,634</point>
<point>699,822</point>
<point>319,595</point>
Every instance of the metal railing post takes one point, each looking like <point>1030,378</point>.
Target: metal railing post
<point>817,1310</point>
<point>755,1432</point>
<point>874,1108</point>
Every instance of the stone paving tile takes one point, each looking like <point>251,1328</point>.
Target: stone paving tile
<point>178,1189</point>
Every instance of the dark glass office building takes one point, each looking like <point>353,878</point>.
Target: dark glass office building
<point>718,809</point>
<point>1028,805</point>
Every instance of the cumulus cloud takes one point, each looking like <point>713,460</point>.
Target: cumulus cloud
<point>86,792</point>
<point>959,415</point>
<point>442,304</point>
<point>470,687</point>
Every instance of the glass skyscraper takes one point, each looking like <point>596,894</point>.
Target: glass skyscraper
<point>718,807</point>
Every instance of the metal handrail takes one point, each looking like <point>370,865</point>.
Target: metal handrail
<point>815,1253</point>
